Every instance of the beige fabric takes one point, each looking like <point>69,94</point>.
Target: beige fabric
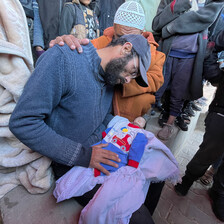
<point>79,31</point>
<point>18,164</point>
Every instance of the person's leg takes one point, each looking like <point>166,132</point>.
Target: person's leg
<point>167,76</point>
<point>153,196</point>
<point>140,216</point>
<point>181,76</point>
<point>209,151</point>
<point>217,163</point>
<point>207,178</point>
<point>218,184</point>
<point>179,87</point>
<point>216,193</point>
<point>84,199</point>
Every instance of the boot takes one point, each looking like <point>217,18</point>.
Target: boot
<point>183,188</point>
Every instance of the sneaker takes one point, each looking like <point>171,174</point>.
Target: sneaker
<point>183,188</point>
<point>163,118</point>
<point>217,204</point>
<point>195,106</point>
<point>166,132</point>
<point>181,123</point>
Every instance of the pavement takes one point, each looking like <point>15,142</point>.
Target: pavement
<point>20,207</point>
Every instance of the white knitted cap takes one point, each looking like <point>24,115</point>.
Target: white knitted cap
<point>130,14</point>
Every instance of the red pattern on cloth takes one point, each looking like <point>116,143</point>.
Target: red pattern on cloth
<point>172,5</point>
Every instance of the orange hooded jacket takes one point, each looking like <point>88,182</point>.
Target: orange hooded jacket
<point>132,100</point>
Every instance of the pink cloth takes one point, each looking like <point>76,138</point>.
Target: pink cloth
<point>124,191</point>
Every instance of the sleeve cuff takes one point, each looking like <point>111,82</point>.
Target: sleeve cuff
<point>133,163</point>
<point>96,172</point>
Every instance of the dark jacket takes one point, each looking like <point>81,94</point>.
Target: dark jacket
<point>108,9</point>
<point>217,104</point>
<point>50,14</point>
<point>28,7</point>
<point>171,21</point>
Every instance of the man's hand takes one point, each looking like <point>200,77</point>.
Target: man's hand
<point>71,41</point>
<point>100,155</point>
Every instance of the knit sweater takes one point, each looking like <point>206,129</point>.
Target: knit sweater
<point>217,104</point>
<point>64,107</point>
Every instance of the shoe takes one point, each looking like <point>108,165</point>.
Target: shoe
<point>203,98</point>
<point>186,118</point>
<point>195,107</point>
<point>201,102</point>
<point>181,123</point>
<point>207,178</point>
<point>152,112</point>
<point>166,132</point>
<point>217,204</point>
<point>159,105</point>
<point>189,111</point>
<point>183,188</point>
<point>163,118</point>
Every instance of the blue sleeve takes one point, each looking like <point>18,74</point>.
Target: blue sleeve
<point>42,93</point>
<point>38,34</point>
<point>137,149</point>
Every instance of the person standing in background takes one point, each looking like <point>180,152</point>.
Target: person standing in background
<point>79,19</point>
<point>183,28</point>
<point>35,27</point>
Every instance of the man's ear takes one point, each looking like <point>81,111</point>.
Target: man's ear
<point>126,48</point>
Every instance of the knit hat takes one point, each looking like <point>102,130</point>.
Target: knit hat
<point>130,14</point>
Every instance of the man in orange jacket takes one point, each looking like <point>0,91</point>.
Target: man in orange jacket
<point>130,100</point>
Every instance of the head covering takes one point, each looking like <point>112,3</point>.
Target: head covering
<point>130,14</point>
<point>142,48</point>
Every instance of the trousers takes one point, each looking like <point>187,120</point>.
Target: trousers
<point>210,150</point>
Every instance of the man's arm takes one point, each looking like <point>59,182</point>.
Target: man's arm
<point>193,21</point>
<point>41,95</point>
<point>168,11</point>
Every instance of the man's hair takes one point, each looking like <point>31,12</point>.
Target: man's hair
<point>121,41</point>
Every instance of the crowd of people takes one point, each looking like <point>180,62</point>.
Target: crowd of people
<point>94,62</point>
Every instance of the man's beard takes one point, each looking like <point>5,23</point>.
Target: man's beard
<point>113,70</point>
